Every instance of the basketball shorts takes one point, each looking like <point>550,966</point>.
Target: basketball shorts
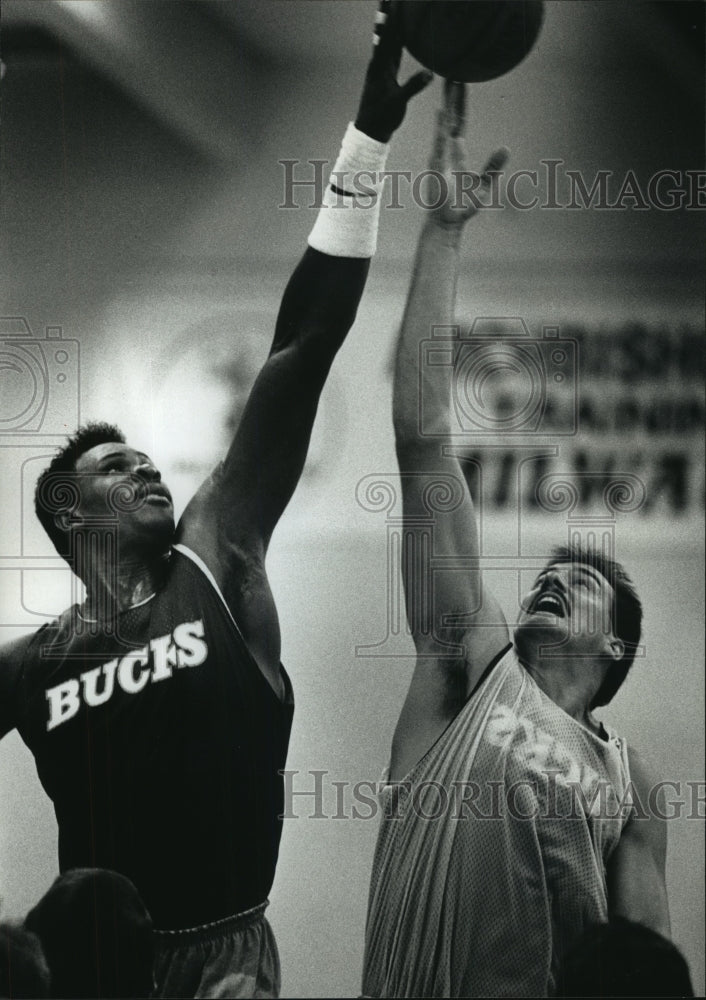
<point>234,957</point>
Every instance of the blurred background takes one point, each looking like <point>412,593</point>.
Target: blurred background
<point>145,246</point>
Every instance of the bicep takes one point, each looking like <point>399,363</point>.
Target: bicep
<point>636,882</point>
<point>457,625</point>
<point>637,887</point>
<point>451,614</point>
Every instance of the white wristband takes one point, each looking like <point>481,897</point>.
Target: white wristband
<point>347,223</point>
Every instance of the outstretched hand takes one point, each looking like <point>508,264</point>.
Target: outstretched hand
<point>462,191</point>
<point>384,101</point>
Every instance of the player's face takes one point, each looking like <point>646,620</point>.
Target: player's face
<point>120,484</point>
<point>570,607</point>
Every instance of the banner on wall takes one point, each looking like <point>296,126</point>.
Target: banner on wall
<point>585,406</point>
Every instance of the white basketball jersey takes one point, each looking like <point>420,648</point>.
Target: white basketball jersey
<point>491,856</point>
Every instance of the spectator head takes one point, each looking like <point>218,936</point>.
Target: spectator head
<point>96,934</point>
<point>23,969</point>
<point>624,959</point>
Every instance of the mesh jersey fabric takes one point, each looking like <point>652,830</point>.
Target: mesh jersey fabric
<point>159,741</point>
<point>492,852</point>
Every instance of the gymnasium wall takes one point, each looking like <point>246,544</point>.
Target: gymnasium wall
<point>163,268</point>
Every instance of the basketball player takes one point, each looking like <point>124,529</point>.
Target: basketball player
<point>505,829</point>
<point>158,711</point>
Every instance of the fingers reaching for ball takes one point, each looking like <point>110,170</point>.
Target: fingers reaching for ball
<point>384,101</point>
<point>495,164</point>
<point>448,148</point>
<point>387,41</point>
<point>455,106</point>
<point>450,127</point>
<point>459,193</point>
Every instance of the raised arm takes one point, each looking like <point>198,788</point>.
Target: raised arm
<point>458,628</point>
<point>230,521</point>
<point>266,458</point>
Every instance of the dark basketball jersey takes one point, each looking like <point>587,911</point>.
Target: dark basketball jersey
<point>159,743</point>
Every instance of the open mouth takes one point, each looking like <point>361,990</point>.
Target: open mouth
<point>159,499</point>
<point>550,603</point>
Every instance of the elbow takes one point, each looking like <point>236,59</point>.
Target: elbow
<point>420,410</point>
<point>406,414</point>
<point>406,428</point>
<point>415,450</point>
<point>413,432</point>
<point>314,342</point>
<point>306,360</point>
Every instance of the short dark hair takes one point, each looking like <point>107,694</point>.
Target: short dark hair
<point>626,612</point>
<point>23,968</point>
<point>97,935</point>
<point>54,493</point>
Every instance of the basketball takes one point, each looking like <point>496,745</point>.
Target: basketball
<point>470,40</point>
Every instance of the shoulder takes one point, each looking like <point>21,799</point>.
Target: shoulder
<point>227,574</point>
<point>643,773</point>
<point>12,653</point>
<point>647,822</point>
<point>16,655</point>
<point>479,672</point>
<point>12,656</point>
<point>231,553</point>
